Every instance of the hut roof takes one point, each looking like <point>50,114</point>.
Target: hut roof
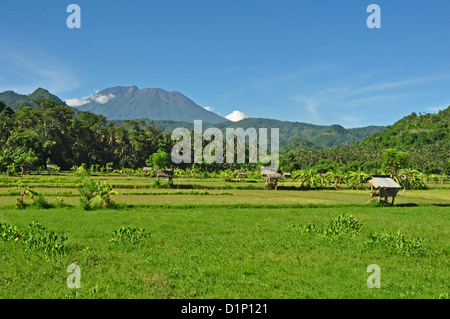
<point>274,175</point>
<point>265,171</point>
<point>383,181</point>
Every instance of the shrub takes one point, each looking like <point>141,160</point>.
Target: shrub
<point>131,235</point>
<point>228,175</point>
<point>157,183</point>
<point>397,242</point>
<point>90,189</point>
<point>334,229</point>
<point>8,232</point>
<point>343,225</point>
<point>41,202</point>
<point>37,237</point>
<point>24,191</point>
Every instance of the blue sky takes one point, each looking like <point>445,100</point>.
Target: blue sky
<point>313,61</point>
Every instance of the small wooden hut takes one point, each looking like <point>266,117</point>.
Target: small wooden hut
<point>241,174</point>
<point>51,166</point>
<point>266,172</point>
<point>272,180</point>
<point>287,175</point>
<point>109,169</point>
<point>383,186</point>
<point>161,173</point>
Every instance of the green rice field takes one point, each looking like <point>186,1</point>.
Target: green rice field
<point>207,238</point>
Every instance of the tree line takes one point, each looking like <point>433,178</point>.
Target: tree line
<point>51,133</point>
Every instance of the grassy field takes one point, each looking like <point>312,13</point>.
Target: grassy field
<point>225,242</point>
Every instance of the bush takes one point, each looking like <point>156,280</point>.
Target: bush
<point>334,229</point>
<point>343,225</point>
<point>41,202</point>
<point>397,242</point>
<point>37,237</point>
<point>95,194</point>
<point>88,190</point>
<point>131,235</point>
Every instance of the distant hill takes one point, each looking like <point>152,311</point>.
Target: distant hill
<point>317,135</point>
<point>415,131</point>
<point>129,103</point>
<point>293,135</point>
<point>15,100</point>
<point>426,138</point>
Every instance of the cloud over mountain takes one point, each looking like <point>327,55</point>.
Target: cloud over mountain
<point>236,116</point>
<point>98,98</point>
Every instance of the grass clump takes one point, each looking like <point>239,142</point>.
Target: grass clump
<point>344,225</point>
<point>36,237</point>
<point>132,235</point>
<point>396,242</point>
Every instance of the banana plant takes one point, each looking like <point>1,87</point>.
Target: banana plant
<point>59,201</point>
<point>335,178</point>
<point>357,178</point>
<point>412,179</point>
<point>24,191</point>
<point>307,178</point>
<point>105,191</point>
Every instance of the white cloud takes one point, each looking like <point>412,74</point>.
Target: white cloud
<point>102,99</point>
<point>236,116</point>
<point>77,102</point>
<point>208,108</point>
<point>98,98</point>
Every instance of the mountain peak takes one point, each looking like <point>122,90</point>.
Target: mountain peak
<point>130,102</point>
<point>40,90</point>
<point>16,100</point>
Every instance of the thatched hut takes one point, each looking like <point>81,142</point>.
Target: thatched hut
<point>167,174</point>
<point>272,180</point>
<point>383,186</point>
<point>241,174</point>
<point>266,171</point>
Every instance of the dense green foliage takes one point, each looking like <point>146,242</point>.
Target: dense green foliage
<point>293,135</point>
<point>426,139</point>
<point>55,135</point>
<point>49,132</point>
